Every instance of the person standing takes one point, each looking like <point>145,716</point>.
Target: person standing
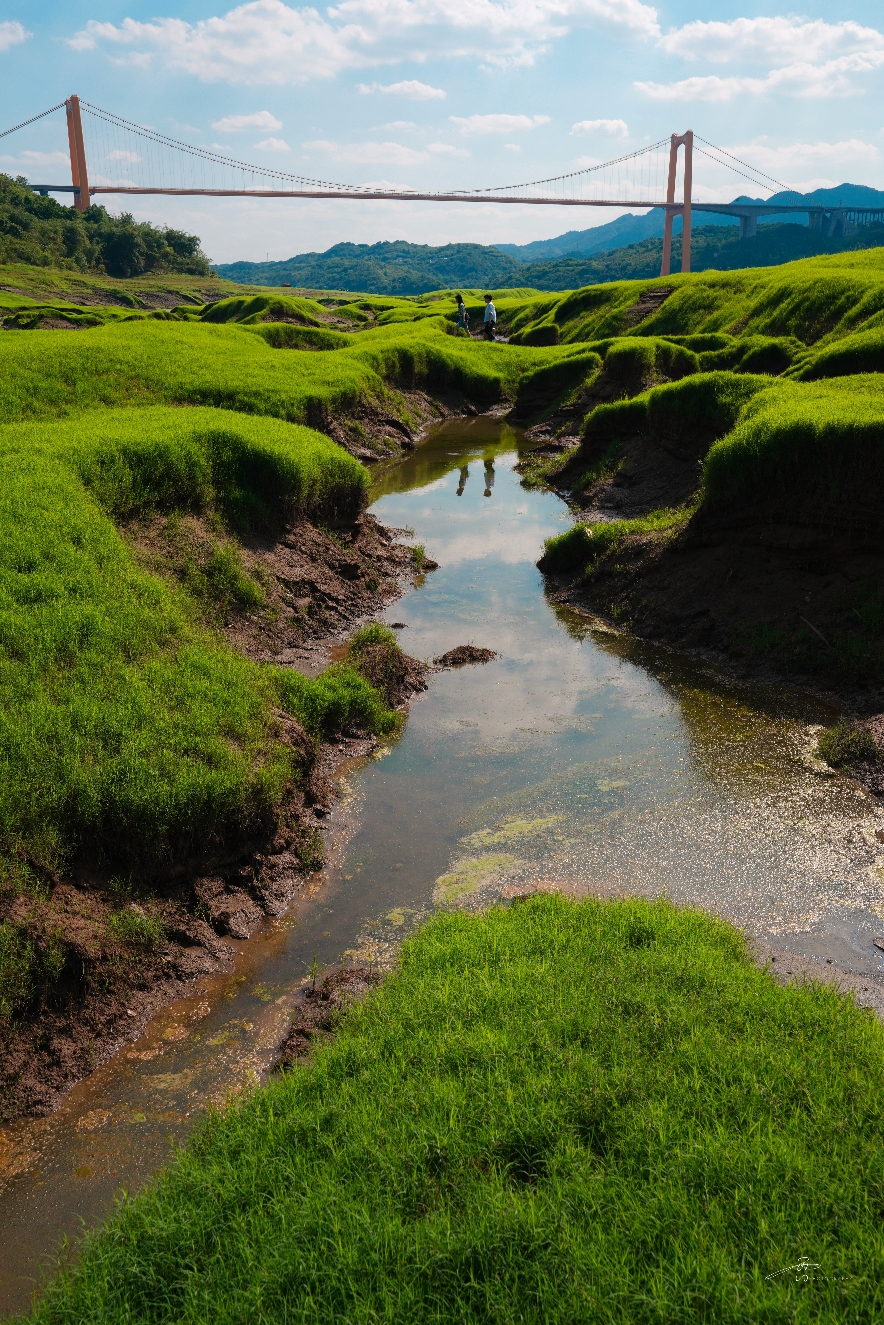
<point>463,317</point>
<point>490,317</point>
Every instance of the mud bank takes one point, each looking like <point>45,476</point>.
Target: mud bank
<point>112,977</point>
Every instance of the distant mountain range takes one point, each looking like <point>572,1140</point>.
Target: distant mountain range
<point>627,248</point>
<point>632,229</point>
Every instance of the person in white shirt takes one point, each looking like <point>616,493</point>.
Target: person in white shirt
<point>490,317</point>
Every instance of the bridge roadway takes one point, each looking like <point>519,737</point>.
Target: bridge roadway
<point>827,219</point>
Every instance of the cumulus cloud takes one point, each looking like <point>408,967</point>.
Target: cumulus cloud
<point>410,88</point>
<point>497,123</point>
<point>802,58</point>
<point>268,41</point>
<point>273,145</point>
<point>129,157</point>
<point>262,119</point>
<point>373,154</point>
<point>616,128</point>
<point>832,79</point>
<point>12,34</point>
<point>768,40</point>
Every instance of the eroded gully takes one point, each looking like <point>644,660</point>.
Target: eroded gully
<point>579,759</point>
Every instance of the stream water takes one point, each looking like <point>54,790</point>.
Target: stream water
<point>579,759</point>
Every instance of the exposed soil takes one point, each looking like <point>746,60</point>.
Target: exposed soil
<point>318,585</point>
<point>464,654</point>
<point>316,582</point>
<point>318,1013</point>
<point>371,431</point>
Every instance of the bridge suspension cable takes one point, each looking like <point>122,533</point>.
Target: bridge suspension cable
<point>130,159</point>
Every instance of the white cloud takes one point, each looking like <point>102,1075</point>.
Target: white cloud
<point>262,42</point>
<point>497,123</point>
<point>768,40</point>
<point>273,145</point>
<point>411,88</point>
<point>616,128</point>
<point>371,154</point>
<point>39,159</point>
<point>12,34</point>
<point>130,157</point>
<point>447,149</point>
<point>262,119</point>
<point>512,147</point>
<point>584,162</point>
<point>399,124</point>
<point>787,160</point>
<point>831,79</point>
<point>268,41</point>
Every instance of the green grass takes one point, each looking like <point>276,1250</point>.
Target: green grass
<point>560,1112</point>
<point>127,731</point>
<point>45,374</point>
<point>847,744</point>
<point>582,547</point>
<point>817,300</point>
<point>805,451</point>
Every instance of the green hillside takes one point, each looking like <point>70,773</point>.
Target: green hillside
<point>41,232</point>
<point>412,269</point>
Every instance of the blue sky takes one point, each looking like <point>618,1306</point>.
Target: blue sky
<point>445,94</point>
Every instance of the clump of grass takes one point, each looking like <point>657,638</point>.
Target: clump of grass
<point>375,654</point>
<point>581,548</point>
<point>848,744</point>
<point>562,1111</point>
<point>418,556</point>
<point>27,968</point>
<point>134,925</point>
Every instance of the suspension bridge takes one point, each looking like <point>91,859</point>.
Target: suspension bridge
<point>131,159</point>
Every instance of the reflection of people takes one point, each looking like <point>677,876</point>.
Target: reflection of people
<point>489,475</point>
<point>490,317</point>
<point>464,475</point>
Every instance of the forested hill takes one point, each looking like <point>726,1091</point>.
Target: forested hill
<point>43,233</point>
<point>386,268</point>
<point>401,268</point>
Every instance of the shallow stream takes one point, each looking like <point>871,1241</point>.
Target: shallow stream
<point>579,758</point>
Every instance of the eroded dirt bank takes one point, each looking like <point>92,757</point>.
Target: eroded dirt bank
<point>316,585</point>
<point>797,595</point>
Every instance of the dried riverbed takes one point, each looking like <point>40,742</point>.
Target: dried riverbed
<point>577,759</point>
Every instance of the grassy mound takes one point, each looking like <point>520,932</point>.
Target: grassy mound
<point>44,373</point>
<point>805,452</point>
<point>813,301</point>
<point>129,734</point>
<point>559,1112</point>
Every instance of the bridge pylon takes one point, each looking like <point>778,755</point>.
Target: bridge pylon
<point>79,172</point>
<point>685,140</point>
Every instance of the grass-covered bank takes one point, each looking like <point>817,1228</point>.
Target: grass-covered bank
<point>139,748</point>
<point>562,1111</point>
